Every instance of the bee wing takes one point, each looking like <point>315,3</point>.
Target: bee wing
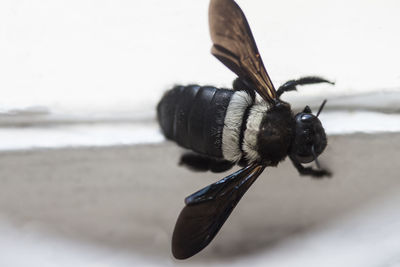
<point>207,210</point>
<point>235,47</point>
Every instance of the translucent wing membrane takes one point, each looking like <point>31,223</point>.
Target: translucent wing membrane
<point>235,47</point>
<point>208,209</point>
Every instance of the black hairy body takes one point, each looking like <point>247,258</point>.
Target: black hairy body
<point>193,116</point>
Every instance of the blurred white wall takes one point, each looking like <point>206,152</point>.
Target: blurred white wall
<point>119,56</point>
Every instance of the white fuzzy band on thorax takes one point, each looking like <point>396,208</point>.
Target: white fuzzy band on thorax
<point>249,146</point>
<point>232,125</point>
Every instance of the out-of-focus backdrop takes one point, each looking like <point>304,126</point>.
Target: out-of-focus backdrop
<point>85,177</point>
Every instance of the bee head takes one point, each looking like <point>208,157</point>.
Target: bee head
<point>310,139</point>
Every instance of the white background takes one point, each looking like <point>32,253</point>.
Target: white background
<point>90,57</point>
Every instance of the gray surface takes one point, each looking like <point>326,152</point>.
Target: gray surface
<point>128,198</point>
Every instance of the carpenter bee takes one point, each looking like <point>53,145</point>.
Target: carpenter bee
<point>226,127</point>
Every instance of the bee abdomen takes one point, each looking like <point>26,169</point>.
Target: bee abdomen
<point>193,116</point>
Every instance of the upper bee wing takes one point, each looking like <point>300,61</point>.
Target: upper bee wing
<point>207,210</point>
<point>235,47</point>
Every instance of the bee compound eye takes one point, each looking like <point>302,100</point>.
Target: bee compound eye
<point>306,117</point>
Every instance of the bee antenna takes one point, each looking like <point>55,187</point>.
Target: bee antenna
<point>315,157</point>
<point>321,107</point>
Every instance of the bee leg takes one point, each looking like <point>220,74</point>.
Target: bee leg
<point>197,162</point>
<point>291,85</point>
<point>241,85</point>
<point>315,173</point>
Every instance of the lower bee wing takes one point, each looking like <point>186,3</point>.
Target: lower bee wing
<point>208,209</point>
<point>235,47</point>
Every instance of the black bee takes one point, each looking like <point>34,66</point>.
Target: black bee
<point>227,127</point>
